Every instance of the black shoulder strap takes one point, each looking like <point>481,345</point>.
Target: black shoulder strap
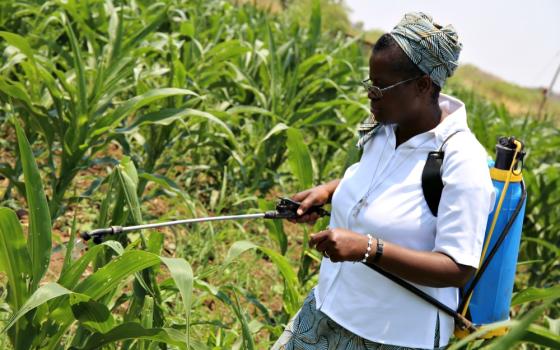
<point>432,185</point>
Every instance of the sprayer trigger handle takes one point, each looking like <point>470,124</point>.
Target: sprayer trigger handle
<point>287,208</point>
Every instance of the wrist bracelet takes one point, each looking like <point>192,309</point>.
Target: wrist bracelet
<point>368,248</point>
<point>378,251</point>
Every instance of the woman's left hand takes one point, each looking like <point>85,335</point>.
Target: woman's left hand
<point>339,244</point>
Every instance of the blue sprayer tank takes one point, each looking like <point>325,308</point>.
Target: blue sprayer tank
<point>491,296</point>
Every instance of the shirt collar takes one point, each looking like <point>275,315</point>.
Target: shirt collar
<point>455,119</point>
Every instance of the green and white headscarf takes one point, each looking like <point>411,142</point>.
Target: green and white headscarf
<point>433,48</point>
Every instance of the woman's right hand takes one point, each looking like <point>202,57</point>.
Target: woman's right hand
<point>318,195</point>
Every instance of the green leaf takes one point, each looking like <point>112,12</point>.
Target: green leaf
<point>481,332</point>
<point>164,117</point>
<point>18,92</point>
<point>532,294</point>
<point>19,42</point>
<point>111,198</point>
<point>111,120</point>
<point>109,276</point>
<point>80,68</point>
<point>305,68</point>
<point>71,276</point>
<point>553,324</point>
<point>69,247</point>
<point>43,294</point>
<point>542,336</point>
<point>299,159</point>
<point>247,338</point>
<point>212,118</point>
<point>543,243</point>
<point>275,227</point>
<point>136,38</point>
<point>225,52</point>
<point>14,258</point>
<point>237,249</point>
<point>275,130</point>
<point>274,70</point>
<point>291,295</point>
<point>134,331</point>
<point>128,178</point>
<point>519,331</point>
<point>147,319</point>
<point>240,109</point>
<point>314,26</point>
<point>187,28</point>
<point>165,183</point>
<point>39,237</point>
<point>93,315</point>
<point>182,275</point>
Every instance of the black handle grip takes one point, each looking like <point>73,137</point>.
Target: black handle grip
<point>287,209</point>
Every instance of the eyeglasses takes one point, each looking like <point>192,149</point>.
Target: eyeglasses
<point>377,92</point>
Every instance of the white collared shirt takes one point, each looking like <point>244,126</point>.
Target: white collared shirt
<point>360,299</point>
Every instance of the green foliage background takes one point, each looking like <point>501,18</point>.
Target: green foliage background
<point>118,113</point>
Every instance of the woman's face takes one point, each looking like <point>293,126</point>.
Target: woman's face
<point>398,104</point>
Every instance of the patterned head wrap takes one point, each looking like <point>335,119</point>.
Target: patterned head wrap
<point>433,48</point>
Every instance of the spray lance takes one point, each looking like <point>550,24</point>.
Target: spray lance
<point>285,209</point>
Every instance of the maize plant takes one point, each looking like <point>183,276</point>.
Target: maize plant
<point>118,113</point>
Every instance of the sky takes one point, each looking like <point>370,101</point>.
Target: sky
<point>516,40</point>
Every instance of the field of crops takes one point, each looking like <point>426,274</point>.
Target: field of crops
<point>120,113</point>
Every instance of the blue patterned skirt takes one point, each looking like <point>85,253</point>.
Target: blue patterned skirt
<point>311,329</point>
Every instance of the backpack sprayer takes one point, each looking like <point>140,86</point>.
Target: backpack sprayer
<point>487,296</point>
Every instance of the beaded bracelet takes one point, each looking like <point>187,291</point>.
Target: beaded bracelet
<point>368,248</point>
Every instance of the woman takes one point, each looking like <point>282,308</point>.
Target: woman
<point>379,213</point>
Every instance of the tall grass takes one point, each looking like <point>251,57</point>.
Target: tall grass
<point>214,108</point>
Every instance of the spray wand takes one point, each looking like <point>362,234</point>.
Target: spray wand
<point>285,209</point>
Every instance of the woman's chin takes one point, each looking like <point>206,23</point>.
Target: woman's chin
<point>381,118</point>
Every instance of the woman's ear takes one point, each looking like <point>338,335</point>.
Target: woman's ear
<point>424,86</point>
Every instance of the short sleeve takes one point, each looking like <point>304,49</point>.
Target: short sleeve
<point>467,199</point>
